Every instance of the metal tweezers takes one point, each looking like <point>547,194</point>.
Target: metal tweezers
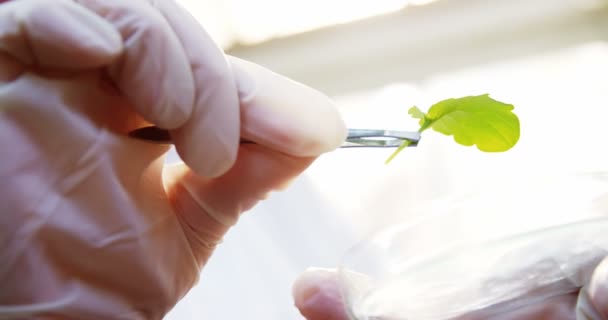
<point>355,138</point>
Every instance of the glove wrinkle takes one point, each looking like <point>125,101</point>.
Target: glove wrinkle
<point>30,311</point>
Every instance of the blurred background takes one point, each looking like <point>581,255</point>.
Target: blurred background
<point>376,59</point>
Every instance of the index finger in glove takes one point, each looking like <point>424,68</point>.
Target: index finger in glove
<point>215,116</point>
<point>177,78</point>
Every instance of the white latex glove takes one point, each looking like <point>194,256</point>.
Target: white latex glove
<point>93,226</point>
<point>593,299</point>
<point>317,295</point>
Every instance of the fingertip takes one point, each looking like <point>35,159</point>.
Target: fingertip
<point>209,151</point>
<point>597,290</point>
<point>209,141</point>
<point>585,309</point>
<point>317,295</point>
<point>309,283</point>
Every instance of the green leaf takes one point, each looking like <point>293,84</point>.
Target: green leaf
<point>480,120</point>
<point>489,124</point>
<point>416,113</point>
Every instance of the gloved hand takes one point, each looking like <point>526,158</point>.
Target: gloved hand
<point>93,226</point>
<point>317,295</point>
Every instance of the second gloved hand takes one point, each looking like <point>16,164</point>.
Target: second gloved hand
<point>318,296</point>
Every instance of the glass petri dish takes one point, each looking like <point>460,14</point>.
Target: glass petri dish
<point>523,240</point>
